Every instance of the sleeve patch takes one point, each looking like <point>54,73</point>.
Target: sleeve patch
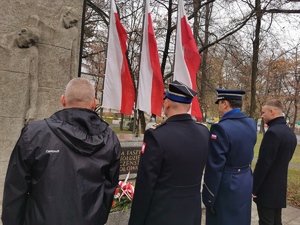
<point>214,137</point>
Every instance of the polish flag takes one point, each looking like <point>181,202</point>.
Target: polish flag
<point>118,90</point>
<point>151,87</point>
<point>187,58</point>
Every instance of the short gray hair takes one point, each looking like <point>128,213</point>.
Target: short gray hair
<point>79,90</point>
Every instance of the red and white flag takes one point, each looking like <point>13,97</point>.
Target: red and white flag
<point>151,87</point>
<point>118,90</point>
<point>187,58</point>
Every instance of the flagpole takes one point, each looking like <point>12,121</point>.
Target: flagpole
<point>81,38</point>
<point>102,88</point>
<point>176,38</point>
<point>135,130</point>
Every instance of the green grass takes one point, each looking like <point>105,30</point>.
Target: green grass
<point>108,120</point>
<point>296,156</point>
<point>293,192</point>
<point>118,131</point>
<point>257,145</point>
<point>116,128</point>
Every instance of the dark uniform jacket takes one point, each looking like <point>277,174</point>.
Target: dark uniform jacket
<point>228,177</point>
<point>62,171</point>
<point>270,174</point>
<point>169,175</point>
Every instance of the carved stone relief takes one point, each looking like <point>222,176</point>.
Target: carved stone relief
<point>39,46</point>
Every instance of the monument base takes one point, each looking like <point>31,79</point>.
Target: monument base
<point>118,218</point>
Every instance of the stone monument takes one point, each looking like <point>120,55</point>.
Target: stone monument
<point>39,54</point>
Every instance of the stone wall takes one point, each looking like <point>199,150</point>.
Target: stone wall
<point>39,54</point>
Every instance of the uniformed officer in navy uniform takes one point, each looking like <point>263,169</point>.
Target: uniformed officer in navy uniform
<point>173,156</point>
<point>227,188</point>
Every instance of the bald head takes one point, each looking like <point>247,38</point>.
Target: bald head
<point>79,93</point>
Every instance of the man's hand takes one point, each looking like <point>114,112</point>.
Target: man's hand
<point>254,196</point>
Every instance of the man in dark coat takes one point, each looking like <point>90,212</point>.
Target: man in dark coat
<point>64,169</point>
<point>270,173</point>
<point>172,159</point>
<point>227,189</point>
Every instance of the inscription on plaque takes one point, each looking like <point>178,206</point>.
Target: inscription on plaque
<point>130,158</point>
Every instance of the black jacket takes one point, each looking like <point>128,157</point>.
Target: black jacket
<point>169,175</point>
<point>62,171</point>
<point>270,173</point>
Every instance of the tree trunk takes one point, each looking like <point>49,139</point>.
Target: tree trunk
<point>142,121</point>
<point>254,72</point>
<point>204,64</point>
<point>122,122</point>
<point>168,38</point>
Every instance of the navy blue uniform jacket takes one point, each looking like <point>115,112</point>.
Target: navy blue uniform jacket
<point>228,177</point>
<point>169,174</point>
<point>270,174</point>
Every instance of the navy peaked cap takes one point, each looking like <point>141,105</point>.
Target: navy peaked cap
<point>179,92</point>
<point>225,94</point>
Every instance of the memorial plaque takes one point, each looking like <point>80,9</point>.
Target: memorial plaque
<point>130,158</point>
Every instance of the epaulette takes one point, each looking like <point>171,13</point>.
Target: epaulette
<point>201,124</point>
<point>157,125</point>
<point>154,126</point>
